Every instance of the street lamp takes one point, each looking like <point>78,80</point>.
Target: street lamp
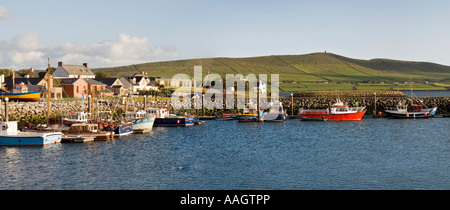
<point>6,109</point>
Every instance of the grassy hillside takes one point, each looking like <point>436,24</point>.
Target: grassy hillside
<point>304,72</point>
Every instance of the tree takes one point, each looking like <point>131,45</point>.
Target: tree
<point>102,75</point>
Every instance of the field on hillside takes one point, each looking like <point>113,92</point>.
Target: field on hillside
<point>304,72</point>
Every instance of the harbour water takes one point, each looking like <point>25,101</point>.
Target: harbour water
<point>227,155</point>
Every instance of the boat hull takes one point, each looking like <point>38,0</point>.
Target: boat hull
<point>332,117</point>
<point>31,140</point>
<point>174,122</point>
<point>247,118</point>
<point>410,115</point>
<point>123,129</point>
<point>281,117</point>
<point>143,125</point>
<point>31,96</point>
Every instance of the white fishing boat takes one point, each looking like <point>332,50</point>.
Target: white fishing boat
<point>10,136</point>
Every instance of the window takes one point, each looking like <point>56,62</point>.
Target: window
<point>78,90</point>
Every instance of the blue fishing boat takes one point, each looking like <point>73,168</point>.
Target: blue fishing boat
<point>142,122</point>
<point>164,119</point>
<point>10,136</point>
<point>123,129</point>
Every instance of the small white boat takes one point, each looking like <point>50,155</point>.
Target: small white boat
<point>10,136</point>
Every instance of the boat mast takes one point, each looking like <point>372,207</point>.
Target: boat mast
<point>13,78</point>
<point>47,79</point>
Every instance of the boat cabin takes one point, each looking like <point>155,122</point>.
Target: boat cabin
<point>399,108</point>
<point>77,117</point>
<point>8,128</point>
<point>159,113</point>
<point>83,128</point>
<point>416,108</point>
<point>136,115</point>
<point>340,108</point>
<point>276,108</point>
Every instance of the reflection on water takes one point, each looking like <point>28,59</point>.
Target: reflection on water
<point>368,154</point>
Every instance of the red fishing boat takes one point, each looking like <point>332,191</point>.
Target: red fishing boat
<point>338,111</point>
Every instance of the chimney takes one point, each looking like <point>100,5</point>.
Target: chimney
<point>60,64</point>
<point>85,65</point>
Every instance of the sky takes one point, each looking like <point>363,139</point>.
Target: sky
<point>115,33</point>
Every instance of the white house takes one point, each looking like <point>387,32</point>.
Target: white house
<point>72,71</point>
<point>139,82</point>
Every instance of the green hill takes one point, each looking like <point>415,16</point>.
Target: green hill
<point>305,72</point>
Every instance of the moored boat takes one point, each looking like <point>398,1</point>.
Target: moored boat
<point>337,112</point>
<point>402,111</point>
<point>88,130</point>
<point>29,96</point>
<point>164,119</point>
<point>123,129</point>
<point>10,136</point>
<point>249,114</point>
<point>275,114</point>
<point>142,122</point>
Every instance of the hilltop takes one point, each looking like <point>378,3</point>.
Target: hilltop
<point>316,71</point>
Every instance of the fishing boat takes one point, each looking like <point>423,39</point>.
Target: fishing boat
<point>337,112</point>
<point>142,122</point>
<point>10,136</point>
<point>28,96</point>
<point>165,119</point>
<point>275,114</point>
<point>123,129</point>
<point>88,130</point>
<point>402,111</point>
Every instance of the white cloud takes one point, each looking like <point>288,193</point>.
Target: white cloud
<point>4,13</point>
<point>26,51</point>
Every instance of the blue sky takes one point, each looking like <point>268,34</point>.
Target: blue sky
<point>113,33</point>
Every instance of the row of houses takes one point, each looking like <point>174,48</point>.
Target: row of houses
<point>77,81</point>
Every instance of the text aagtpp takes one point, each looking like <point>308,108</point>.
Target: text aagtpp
<point>228,200</point>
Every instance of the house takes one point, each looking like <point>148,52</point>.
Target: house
<point>115,85</point>
<point>96,88</point>
<point>72,71</point>
<point>75,87</point>
<point>127,86</point>
<point>170,82</point>
<point>139,82</point>
<point>32,73</point>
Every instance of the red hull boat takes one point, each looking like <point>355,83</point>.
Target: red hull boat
<point>338,111</point>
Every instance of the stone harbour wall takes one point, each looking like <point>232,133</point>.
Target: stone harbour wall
<point>21,110</point>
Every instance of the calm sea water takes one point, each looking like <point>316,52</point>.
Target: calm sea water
<point>227,155</point>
